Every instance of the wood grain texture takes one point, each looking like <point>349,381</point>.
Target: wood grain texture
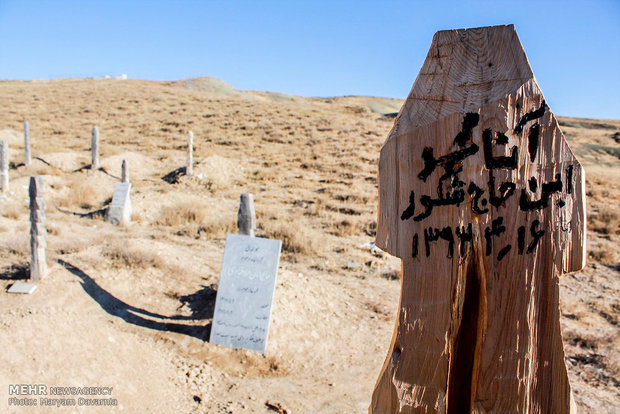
<point>484,202</point>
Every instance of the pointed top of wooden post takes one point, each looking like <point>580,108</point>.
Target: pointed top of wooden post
<point>464,70</point>
<point>474,80</point>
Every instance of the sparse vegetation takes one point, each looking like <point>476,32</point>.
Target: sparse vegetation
<point>295,238</point>
<point>11,211</point>
<point>120,255</point>
<point>603,254</point>
<point>82,194</point>
<point>606,221</point>
<point>185,212</point>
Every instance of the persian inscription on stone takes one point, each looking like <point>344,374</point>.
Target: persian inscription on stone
<point>245,292</point>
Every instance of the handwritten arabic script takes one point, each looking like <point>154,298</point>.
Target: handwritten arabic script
<point>481,197</point>
<point>245,292</point>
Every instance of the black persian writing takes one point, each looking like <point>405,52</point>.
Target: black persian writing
<point>451,190</point>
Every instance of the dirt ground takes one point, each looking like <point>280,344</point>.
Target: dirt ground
<point>130,307</point>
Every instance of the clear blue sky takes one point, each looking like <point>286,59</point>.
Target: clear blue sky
<point>310,48</point>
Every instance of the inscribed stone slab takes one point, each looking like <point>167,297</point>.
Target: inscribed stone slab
<point>120,209</point>
<point>245,292</point>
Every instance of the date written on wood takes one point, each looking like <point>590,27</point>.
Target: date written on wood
<point>451,190</point>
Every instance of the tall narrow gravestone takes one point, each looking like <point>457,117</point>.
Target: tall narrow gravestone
<point>4,166</point>
<point>245,292</point>
<point>94,148</point>
<point>189,165</point>
<point>125,172</point>
<point>38,265</point>
<point>483,200</point>
<point>27,155</point>
<point>246,216</point>
<point>119,210</point>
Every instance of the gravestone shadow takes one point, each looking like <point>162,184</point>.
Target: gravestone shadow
<point>91,214</point>
<point>139,317</point>
<point>16,272</point>
<point>174,176</point>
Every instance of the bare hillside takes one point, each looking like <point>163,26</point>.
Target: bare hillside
<point>130,307</point>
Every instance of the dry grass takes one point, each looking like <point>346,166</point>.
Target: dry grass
<point>198,220</point>
<point>11,211</point>
<point>216,227</point>
<point>120,255</point>
<point>606,221</point>
<point>185,212</point>
<point>603,254</point>
<point>296,238</point>
<point>346,228</point>
<point>82,194</point>
<point>16,246</point>
<point>54,229</point>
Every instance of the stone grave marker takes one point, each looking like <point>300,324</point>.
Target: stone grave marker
<point>246,215</point>
<point>119,210</point>
<point>38,263</point>
<point>245,292</point>
<point>189,165</point>
<point>94,148</point>
<point>484,202</point>
<point>4,166</point>
<point>27,155</point>
<point>125,171</point>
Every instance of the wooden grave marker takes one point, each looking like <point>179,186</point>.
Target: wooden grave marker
<point>245,292</point>
<point>484,202</point>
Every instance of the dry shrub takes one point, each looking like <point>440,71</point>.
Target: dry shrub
<point>345,228</point>
<point>54,230</point>
<point>199,220</point>
<point>66,246</point>
<point>219,173</point>
<point>217,227</point>
<point>606,221</point>
<point>137,218</point>
<point>122,256</point>
<point>603,254</point>
<point>82,194</point>
<point>11,212</point>
<point>295,237</point>
<point>185,212</point>
<point>15,246</point>
<point>44,169</point>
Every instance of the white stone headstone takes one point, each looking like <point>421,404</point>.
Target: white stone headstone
<point>245,292</point>
<point>4,166</point>
<point>120,209</point>
<point>94,147</point>
<point>27,155</point>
